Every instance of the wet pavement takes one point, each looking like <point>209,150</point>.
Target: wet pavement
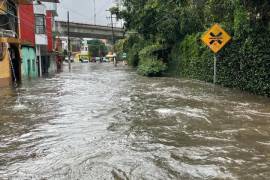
<point>101,122</point>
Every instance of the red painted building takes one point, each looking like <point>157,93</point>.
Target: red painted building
<point>29,67</point>
<point>49,24</point>
<point>27,24</point>
<point>36,35</point>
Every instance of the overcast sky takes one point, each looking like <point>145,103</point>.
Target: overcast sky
<point>83,11</point>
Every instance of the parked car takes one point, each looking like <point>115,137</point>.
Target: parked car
<point>104,59</point>
<point>84,60</point>
<point>93,60</point>
<point>96,59</point>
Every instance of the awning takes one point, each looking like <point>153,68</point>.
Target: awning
<point>27,43</point>
<point>52,1</point>
<point>10,40</point>
<point>24,1</point>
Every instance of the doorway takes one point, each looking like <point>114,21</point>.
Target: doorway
<point>15,63</point>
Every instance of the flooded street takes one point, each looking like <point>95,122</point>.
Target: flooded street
<point>100,122</point>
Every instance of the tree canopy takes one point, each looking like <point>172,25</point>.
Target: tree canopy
<point>164,36</point>
<point>97,48</point>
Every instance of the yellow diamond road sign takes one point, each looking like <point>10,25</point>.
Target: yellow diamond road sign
<point>216,38</point>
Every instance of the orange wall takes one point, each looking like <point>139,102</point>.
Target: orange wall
<point>5,67</point>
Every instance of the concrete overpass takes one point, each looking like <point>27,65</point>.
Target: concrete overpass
<point>81,30</point>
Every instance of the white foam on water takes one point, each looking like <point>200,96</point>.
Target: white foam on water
<point>244,116</point>
<point>257,113</point>
<point>233,131</point>
<point>187,111</point>
<point>195,112</point>
<point>212,138</point>
<point>264,143</point>
<point>166,112</point>
<point>125,99</point>
<point>19,106</point>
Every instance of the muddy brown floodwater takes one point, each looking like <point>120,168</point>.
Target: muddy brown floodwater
<point>101,122</point>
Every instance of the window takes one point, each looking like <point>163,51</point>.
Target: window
<point>8,16</point>
<point>40,24</point>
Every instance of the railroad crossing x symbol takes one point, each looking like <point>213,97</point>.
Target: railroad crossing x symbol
<point>216,38</point>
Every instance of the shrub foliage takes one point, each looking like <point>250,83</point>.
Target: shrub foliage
<point>166,37</point>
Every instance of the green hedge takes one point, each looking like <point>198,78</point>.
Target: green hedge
<point>151,67</point>
<point>190,59</point>
<point>149,64</point>
<point>243,63</point>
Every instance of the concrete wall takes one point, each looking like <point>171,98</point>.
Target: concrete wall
<point>88,31</point>
<point>40,9</point>
<point>50,6</point>
<point>41,39</point>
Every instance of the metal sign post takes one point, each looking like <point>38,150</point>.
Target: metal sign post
<point>215,69</point>
<point>69,61</point>
<point>216,38</point>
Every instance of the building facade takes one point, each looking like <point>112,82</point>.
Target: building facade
<point>29,66</point>
<point>26,39</point>
<point>45,11</point>
<point>10,57</point>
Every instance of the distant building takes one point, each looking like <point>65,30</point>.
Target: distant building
<point>75,44</point>
<point>85,48</point>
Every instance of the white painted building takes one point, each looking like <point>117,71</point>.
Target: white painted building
<point>40,33</point>
<point>46,59</point>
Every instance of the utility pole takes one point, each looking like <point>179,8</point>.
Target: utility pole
<point>95,15</point>
<point>99,51</point>
<point>69,62</point>
<point>112,26</point>
<point>113,39</point>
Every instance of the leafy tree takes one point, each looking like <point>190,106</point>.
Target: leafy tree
<point>97,48</point>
